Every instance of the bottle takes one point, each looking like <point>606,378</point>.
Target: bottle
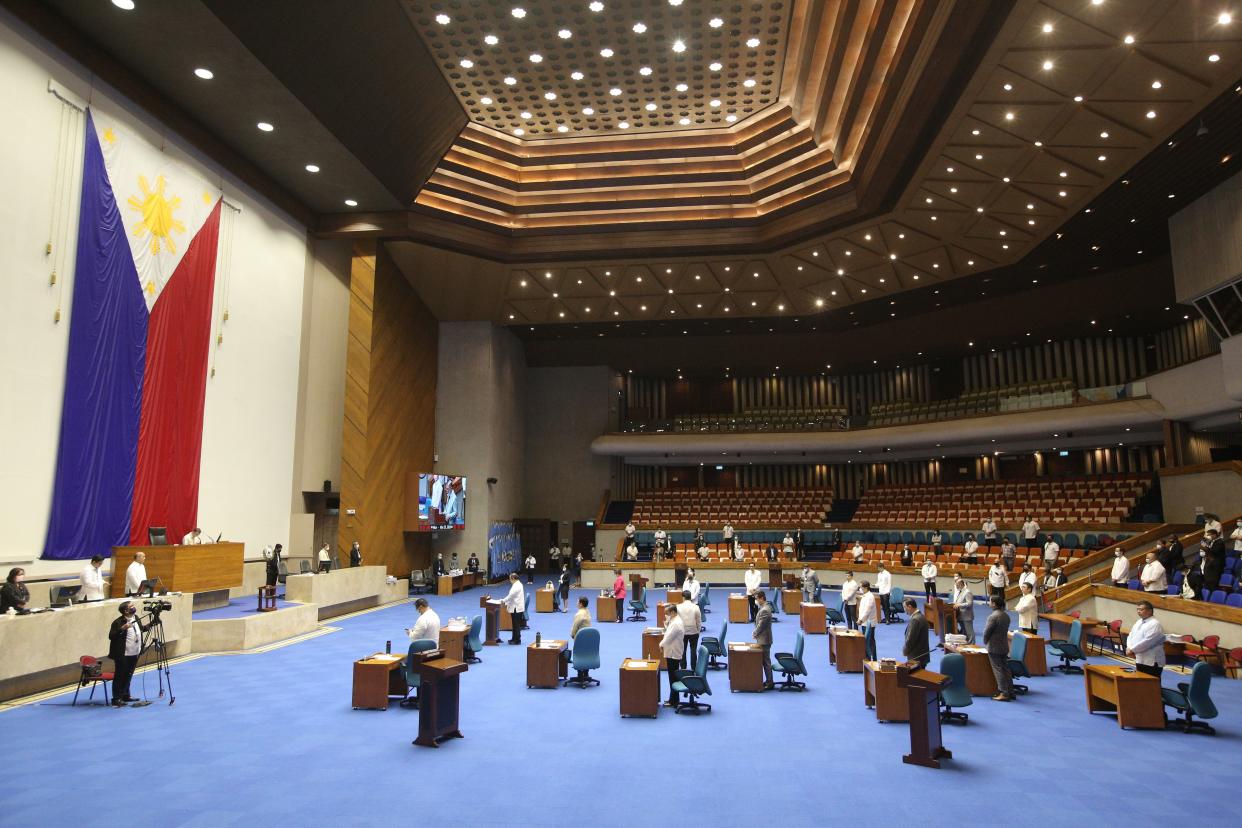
<point>388,647</point>
<point>538,638</point>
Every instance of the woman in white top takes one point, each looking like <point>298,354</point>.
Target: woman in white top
<point>1121,570</point>
<point>970,550</point>
<point>788,543</point>
<point>631,551</point>
<point>1027,608</point>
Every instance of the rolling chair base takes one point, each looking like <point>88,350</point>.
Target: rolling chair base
<point>713,664</point>
<point>790,684</point>
<point>581,681</point>
<point>637,617</point>
<point>1189,726</point>
<point>1068,669</point>
<point>692,707</point>
<point>948,716</point>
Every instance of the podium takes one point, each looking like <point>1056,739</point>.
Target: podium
<point>438,694</point>
<point>775,576</point>
<point>209,570</point>
<point>923,689</point>
<point>491,624</point>
<point>940,615</point>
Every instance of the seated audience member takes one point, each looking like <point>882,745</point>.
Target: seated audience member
<point>970,550</point>
<point>996,639</point>
<point>1145,643</point>
<point>1152,576</point>
<point>704,552</point>
<point>136,573</point>
<point>427,625</point>
<point>1120,574</point>
<point>1027,608</point>
<point>14,595</point>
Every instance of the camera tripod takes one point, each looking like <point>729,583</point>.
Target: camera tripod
<point>157,644</point>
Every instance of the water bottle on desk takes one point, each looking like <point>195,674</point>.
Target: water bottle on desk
<point>388,648</point>
<point>538,638</point>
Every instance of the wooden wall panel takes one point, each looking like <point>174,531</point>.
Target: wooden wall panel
<point>390,409</point>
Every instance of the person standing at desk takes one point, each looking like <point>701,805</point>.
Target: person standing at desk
<point>515,603</point>
<point>849,600</point>
<point>752,579</point>
<point>472,563</point>
<point>194,537</point>
<point>929,577</point>
<point>673,647</point>
<point>763,637</point>
<point>124,647</point>
<point>427,625</point>
<point>566,578</point>
<point>964,608</point>
<point>530,568</point>
<point>692,623</point>
<point>441,569</point>
<point>692,586</point>
<point>1145,643</point>
<point>868,617</point>
<point>884,586</point>
<point>271,559</point>
<point>1027,609</point>
<point>618,592</point>
<point>136,573</point>
<point>996,639</point>
<point>1152,576</point>
<point>998,579</point>
<point>917,646</point>
<point>1120,574</point>
<point>14,595</point>
<point>810,583</point>
<point>355,555</point>
<point>92,579</point>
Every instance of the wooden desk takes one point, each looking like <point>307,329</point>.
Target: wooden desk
<point>745,667</point>
<point>775,576</point>
<point>605,609</point>
<point>651,643</point>
<point>491,622</point>
<point>673,596</point>
<point>640,687</point>
<point>739,608</point>
<point>814,619</point>
<point>1059,626</point>
<point>662,610</point>
<point>438,693</point>
<point>980,680</point>
<point>791,601</point>
<point>543,600</point>
<point>205,567</point>
<point>448,584</point>
<point>1134,696</point>
<point>544,665</point>
<point>880,691</point>
<point>1036,658</point>
<point>846,649</point>
<point>939,614</point>
<point>453,641</point>
<point>376,678</point>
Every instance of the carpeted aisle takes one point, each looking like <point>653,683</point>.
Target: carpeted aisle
<point>272,736</point>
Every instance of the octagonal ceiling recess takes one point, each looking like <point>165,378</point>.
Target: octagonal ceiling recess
<point>584,67</point>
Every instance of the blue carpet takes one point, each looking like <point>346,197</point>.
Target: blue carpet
<point>237,608</point>
<point>272,734</point>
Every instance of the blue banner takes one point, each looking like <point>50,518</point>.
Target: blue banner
<point>504,548</point>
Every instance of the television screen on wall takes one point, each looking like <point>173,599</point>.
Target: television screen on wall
<point>441,502</point>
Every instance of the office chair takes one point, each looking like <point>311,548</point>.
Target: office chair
<point>1017,663</point>
<point>474,640</point>
<point>418,582</point>
<point>1069,650</point>
<point>694,684</point>
<point>638,608</point>
<point>157,535</point>
<point>62,596</point>
<point>790,665</point>
<point>955,693</point>
<point>585,657</point>
<point>304,567</point>
<point>1192,699</point>
<point>704,598</point>
<point>412,678</point>
<point>895,596</point>
<point>715,646</point>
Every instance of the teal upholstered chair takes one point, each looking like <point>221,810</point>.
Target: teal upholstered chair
<point>955,693</point>
<point>585,657</point>
<point>694,684</point>
<point>1069,650</point>
<point>1017,662</point>
<point>412,678</point>
<point>791,664</point>
<point>715,647</point>
<point>474,641</point>
<point>1191,699</point>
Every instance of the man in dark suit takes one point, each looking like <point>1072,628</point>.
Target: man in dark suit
<point>124,647</point>
<point>1176,556</point>
<point>996,639</point>
<point>918,643</point>
<point>1213,550</point>
<point>763,636</point>
<point>1170,559</point>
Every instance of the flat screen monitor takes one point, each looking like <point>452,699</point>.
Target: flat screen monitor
<point>441,502</point>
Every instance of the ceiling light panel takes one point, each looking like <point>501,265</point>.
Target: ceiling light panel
<point>484,43</point>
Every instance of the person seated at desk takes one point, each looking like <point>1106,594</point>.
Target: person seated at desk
<point>917,646</point>
<point>1145,644</point>
<point>964,608</point>
<point>996,639</point>
<point>14,595</point>
<point>355,555</point>
<point>1027,609</point>
<point>618,592</point>
<point>673,647</point>
<point>92,579</point>
<point>472,564</point>
<point>810,583</point>
<point>970,550</point>
<point>858,552</point>
<point>428,624</point>
<point>691,585</point>
<point>136,573</point>
<point>194,537</point>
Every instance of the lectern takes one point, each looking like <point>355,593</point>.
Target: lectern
<point>491,610</point>
<point>940,613</point>
<point>775,574</point>
<point>923,689</point>
<point>438,693</point>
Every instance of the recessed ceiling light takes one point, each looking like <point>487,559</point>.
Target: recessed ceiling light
<point>467,63</point>
<point>978,156</point>
<point>1062,194</point>
<point>645,71</point>
<point>978,209</point>
<point>623,125</point>
<point>1156,84</point>
<point>204,73</point>
<point>1047,65</point>
<point>1063,174</point>
<point>124,5</point>
<point>1213,58</point>
<point>753,43</point>
<point>485,101</point>
<point>562,128</point>
<point>312,168</point>
<point>596,6</point>
<point>684,122</point>
<point>616,90</point>
<point>526,116</point>
<point>1009,87</point>
<point>564,34</point>
<point>1102,158</point>
<point>679,46</point>
<point>715,22</point>
<point>1129,40</point>
<point>1008,116</point>
<point>1151,113</point>
<point>639,27</point>
<point>265,126</point>
<point>1039,143</point>
<point>577,75</point>
<point>974,132</point>
<point>748,83</point>
<point>519,132</point>
<point>674,2</point>
<point>551,96</point>
<point>443,19</point>
<point>730,118</point>
<point>681,87</point>
<point>715,66</point>
<point>510,80</point>
<point>586,110</point>
<point>491,40</point>
<point>518,12</point>
<point>1104,135</point>
<point>713,102</point>
<point>1047,28</point>
<point>536,58</point>
<point>1225,18</point>
<point>953,189</point>
<point>650,107</point>
<point>605,53</point>
<point>349,202</point>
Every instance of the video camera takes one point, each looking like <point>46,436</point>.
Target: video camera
<point>157,606</point>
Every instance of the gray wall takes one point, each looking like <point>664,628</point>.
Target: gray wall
<point>1218,492</point>
<point>1206,238</point>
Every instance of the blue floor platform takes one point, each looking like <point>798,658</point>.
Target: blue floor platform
<point>271,735</point>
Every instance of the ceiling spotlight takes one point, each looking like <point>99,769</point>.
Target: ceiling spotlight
<point>205,74</point>
<point>623,125</point>
<point>1102,158</point>
<point>264,126</point>
<point>1225,18</point>
<point>536,58</point>
<point>1213,58</point>
<point>562,128</point>
<point>586,110</point>
<point>1129,40</point>
<point>645,71</point>
<point>974,132</point>
<point>1103,134</point>
<point>467,63</point>
<point>526,116</point>
<point>605,52</point>
<point>681,87</point>
<point>819,303</point>
<point>715,66</point>
<point>674,2</point>
<point>1009,87</point>
<point>679,46</point>
<point>650,107</point>
<point>1047,28</point>
<point>684,122</point>
<point>639,28</point>
<point>1156,84</point>
<point>124,5</point>
<point>549,96</point>
<point>1047,65</point>
<point>519,132</point>
<point>1151,113</point>
<point>485,101</point>
<point>596,6</point>
<point>577,75</point>
<point>1008,116</point>
<point>564,34</point>
<point>518,12</point>
<point>715,22</point>
<point>491,40</point>
<point>312,168</point>
<point>443,19</point>
<point>730,118</point>
<point>748,83</point>
<point>615,91</point>
<point>349,202</point>
<point>714,102</point>
<point>1078,99</point>
<point>753,43</point>
<point>510,80</point>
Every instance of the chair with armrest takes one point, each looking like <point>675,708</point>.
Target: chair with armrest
<point>715,647</point>
<point>705,598</point>
<point>895,597</point>
<point>585,657</point>
<point>92,674</point>
<point>1017,663</point>
<point>833,612</point>
<point>304,567</point>
<point>1192,699</point>
<point>694,684</point>
<point>474,640</point>
<point>1069,650</point>
<point>412,678</point>
<point>157,535</point>
<point>418,581</point>
<point>1206,650</point>
<point>638,608</point>
<point>791,664</point>
<point>955,693</point>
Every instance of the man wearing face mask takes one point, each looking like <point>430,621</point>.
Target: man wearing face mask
<point>124,647</point>
<point>1153,577</point>
<point>1121,570</point>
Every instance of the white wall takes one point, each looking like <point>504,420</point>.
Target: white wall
<point>250,419</point>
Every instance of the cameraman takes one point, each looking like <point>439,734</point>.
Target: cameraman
<point>125,645</point>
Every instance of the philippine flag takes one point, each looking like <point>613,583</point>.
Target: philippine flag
<point>139,337</point>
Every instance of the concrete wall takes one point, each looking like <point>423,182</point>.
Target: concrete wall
<point>1206,239</point>
<point>1218,492</point>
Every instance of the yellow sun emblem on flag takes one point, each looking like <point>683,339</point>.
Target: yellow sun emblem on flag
<point>157,214</point>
